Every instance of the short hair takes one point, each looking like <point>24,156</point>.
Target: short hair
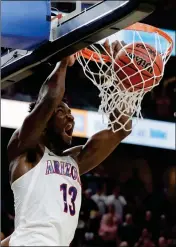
<point>33,104</point>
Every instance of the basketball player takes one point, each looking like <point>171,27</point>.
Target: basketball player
<point>45,178</point>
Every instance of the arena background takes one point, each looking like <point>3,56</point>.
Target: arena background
<point>145,175</point>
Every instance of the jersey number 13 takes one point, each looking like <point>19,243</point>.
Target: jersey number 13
<point>72,192</point>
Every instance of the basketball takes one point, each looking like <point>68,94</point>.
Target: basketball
<point>143,65</point>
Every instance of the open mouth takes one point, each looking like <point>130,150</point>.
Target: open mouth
<point>69,129</point>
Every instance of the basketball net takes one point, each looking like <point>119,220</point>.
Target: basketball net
<point>114,96</point>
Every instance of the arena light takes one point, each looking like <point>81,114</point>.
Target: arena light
<point>146,133</point>
<point>14,112</point>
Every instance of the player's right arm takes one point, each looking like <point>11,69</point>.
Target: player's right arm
<point>50,96</point>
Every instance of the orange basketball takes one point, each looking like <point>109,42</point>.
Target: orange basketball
<point>140,58</point>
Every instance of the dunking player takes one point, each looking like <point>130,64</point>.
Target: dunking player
<point>45,178</point>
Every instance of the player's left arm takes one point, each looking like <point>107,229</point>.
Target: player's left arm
<point>100,146</point>
<point>74,151</point>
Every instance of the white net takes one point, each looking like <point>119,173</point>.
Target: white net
<point>125,93</point>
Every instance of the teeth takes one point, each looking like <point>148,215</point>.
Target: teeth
<point>68,127</point>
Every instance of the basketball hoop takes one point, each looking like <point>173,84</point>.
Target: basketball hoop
<point>114,95</point>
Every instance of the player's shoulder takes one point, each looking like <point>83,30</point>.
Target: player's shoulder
<point>13,150</point>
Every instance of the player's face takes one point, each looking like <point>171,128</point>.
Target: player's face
<point>63,123</point>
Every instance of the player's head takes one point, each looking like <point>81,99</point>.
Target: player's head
<point>60,126</point>
<point>128,218</point>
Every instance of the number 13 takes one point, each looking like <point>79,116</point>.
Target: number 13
<point>72,191</point>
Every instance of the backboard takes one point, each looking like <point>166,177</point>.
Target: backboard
<point>88,23</point>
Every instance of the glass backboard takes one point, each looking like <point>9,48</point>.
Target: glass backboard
<point>86,23</point>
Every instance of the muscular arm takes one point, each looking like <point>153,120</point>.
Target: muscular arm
<point>74,151</point>
<point>100,146</point>
<point>50,96</point>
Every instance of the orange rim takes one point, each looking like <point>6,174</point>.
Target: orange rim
<point>89,54</point>
<point>92,55</point>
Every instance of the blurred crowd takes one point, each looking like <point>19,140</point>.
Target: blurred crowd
<point>117,215</point>
<point>116,220</point>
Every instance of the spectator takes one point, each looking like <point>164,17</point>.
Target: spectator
<point>145,234</point>
<point>111,212</point>
<point>148,243</point>
<point>145,243</point>
<point>162,242</point>
<point>90,235</point>
<point>117,200</point>
<point>100,199</point>
<point>128,231</point>
<point>163,226</point>
<point>145,239</point>
<point>89,207</point>
<point>108,231</point>
<point>148,223</point>
<point>170,242</point>
<point>123,244</point>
